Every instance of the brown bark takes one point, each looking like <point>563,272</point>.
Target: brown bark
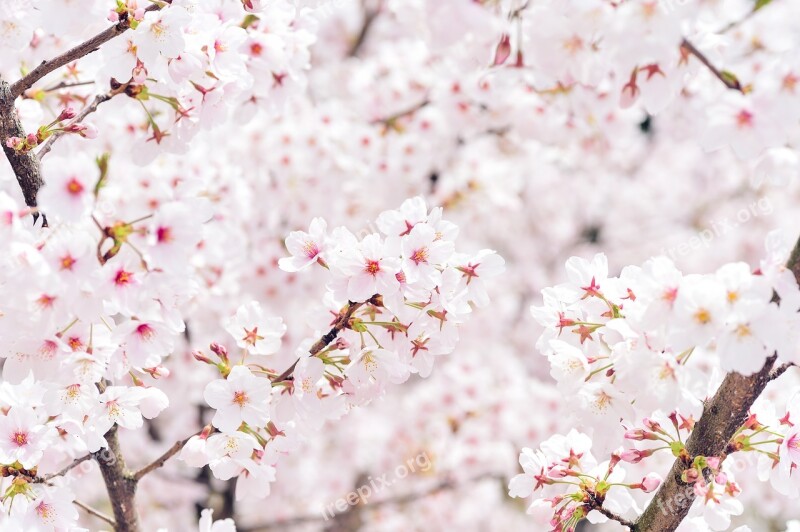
<point>723,415</point>
<point>25,165</point>
<point>120,484</point>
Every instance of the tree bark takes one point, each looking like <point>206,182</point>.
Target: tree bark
<point>723,415</point>
<point>120,484</point>
<point>25,165</point>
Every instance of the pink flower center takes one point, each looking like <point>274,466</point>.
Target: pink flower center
<point>420,255</point>
<point>311,249</point>
<point>19,438</point>
<point>67,262</point>
<point>240,398</point>
<point>744,118</point>
<point>74,187</point>
<point>164,235</point>
<point>251,337</point>
<point>45,511</point>
<point>123,278</point>
<point>145,332</point>
<point>372,267</point>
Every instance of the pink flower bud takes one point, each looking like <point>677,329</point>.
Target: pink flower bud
<point>13,142</point>
<point>721,478</point>
<point>503,51</point>
<point>219,350</point>
<point>635,434</point>
<point>194,452</point>
<point>690,475</point>
<point>253,6</point>
<point>341,343</point>
<point>32,139</point>
<point>113,16</point>
<point>200,357</point>
<point>89,132</point>
<point>632,456</point>
<point>713,462</point>
<point>66,114</point>
<point>651,482</point>
<point>139,14</point>
<point>652,425</point>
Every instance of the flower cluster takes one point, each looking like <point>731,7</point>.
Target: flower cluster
<point>608,337</point>
<point>401,295</point>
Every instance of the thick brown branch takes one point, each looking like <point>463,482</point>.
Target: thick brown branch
<point>729,80</point>
<point>25,165</point>
<point>723,415</point>
<point>81,50</point>
<point>120,484</point>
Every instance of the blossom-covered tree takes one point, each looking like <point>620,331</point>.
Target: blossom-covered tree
<point>275,264</point>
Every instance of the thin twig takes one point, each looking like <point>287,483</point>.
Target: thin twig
<point>391,119</point>
<point>614,517</point>
<point>341,322</point>
<point>64,471</point>
<point>97,513</point>
<point>68,85</point>
<point>89,109</point>
<point>780,370</point>
<point>73,54</point>
<point>369,18</point>
<point>728,80</point>
<point>161,460</point>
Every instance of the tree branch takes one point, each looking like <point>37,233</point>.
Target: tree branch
<point>120,484</point>
<point>340,323</point>
<point>91,511</point>
<point>64,471</point>
<point>729,80</point>
<point>89,109</point>
<point>369,18</point>
<point>723,415</point>
<point>161,460</point>
<point>780,370</point>
<point>614,517</point>
<point>81,50</point>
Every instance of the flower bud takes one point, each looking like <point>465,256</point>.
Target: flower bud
<point>503,51</point>
<point>13,142</point>
<point>199,356</point>
<point>651,482</point>
<point>66,114</point>
<point>220,350</point>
